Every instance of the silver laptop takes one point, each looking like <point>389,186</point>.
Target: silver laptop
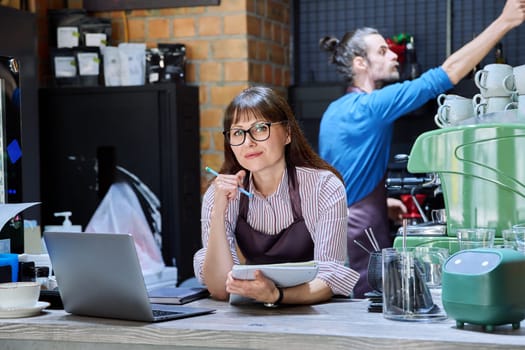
<point>98,274</point>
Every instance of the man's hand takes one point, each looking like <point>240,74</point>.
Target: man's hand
<point>514,12</point>
<point>396,209</point>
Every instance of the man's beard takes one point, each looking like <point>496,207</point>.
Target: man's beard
<point>393,78</point>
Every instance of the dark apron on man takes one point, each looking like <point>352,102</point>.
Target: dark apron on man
<point>369,212</point>
<point>293,244</point>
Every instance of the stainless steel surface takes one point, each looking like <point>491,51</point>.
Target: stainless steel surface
<point>426,229</point>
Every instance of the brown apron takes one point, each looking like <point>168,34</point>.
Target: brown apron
<point>293,244</point>
<point>370,211</point>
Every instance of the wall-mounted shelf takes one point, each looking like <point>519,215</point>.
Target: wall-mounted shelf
<point>104,5</point>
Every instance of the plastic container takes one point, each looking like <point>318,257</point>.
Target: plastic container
<point>10,260</point>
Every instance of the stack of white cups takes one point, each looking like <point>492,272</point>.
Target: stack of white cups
<point>501,87</point>
<point>496,89</point>
<point>519,95</point>
<point>452,109</point>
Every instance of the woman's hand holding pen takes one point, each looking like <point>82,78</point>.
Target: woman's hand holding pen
<point>227,186</point>
<point>213,172</point>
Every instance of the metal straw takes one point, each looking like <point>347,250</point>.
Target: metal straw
<point>378,248</point>
<point>405,223</point>
<point>372,240</point>
<point>362,246</point>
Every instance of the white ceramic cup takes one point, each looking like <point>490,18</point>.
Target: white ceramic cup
<point>519,104</point>
<point>19,294</point>
<point>491,104</point>
<point>519,79</point>
<point>442,98</point>
<point>492,78</point>
<point>452,109</point>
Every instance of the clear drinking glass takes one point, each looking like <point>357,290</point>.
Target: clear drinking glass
<point>432,260</point>
<point>478,237</point>
<point>374,275</point>
<point>519,235</point>
<point>509,239</point>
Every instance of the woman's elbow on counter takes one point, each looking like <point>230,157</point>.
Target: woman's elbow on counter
<point>219,295</point>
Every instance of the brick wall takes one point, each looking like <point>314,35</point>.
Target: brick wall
<point>237,44</point>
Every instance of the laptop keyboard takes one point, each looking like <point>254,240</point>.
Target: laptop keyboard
<point>160,313</point>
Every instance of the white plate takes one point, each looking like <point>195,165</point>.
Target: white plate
<point>24,311</point>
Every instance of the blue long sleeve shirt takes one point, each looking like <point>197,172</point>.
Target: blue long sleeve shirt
<point>356,130</point>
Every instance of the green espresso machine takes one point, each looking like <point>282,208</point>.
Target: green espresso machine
<point>481,168</point>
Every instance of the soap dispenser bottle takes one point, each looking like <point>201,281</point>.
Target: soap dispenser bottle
<point>67,225</point>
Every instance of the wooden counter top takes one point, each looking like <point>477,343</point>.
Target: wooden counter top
<point>342,324</point>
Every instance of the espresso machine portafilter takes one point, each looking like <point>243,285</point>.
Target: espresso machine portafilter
<point>413,190</point>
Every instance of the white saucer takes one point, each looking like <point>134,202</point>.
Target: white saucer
<point>24,311</point>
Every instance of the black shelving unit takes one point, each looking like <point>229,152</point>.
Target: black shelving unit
<point>18,120</point>
<point>151,131</point>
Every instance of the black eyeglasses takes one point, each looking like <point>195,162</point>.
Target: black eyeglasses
<point>258,132</point>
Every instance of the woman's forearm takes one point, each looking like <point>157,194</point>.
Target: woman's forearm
<point>313,292</point>
<point>218,260</point>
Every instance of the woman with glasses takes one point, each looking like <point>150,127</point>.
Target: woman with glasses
<point>295,209</point>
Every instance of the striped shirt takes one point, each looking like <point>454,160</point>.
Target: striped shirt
<point>323,203</point>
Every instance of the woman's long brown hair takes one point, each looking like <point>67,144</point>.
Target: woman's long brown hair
<point>265,104</point>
